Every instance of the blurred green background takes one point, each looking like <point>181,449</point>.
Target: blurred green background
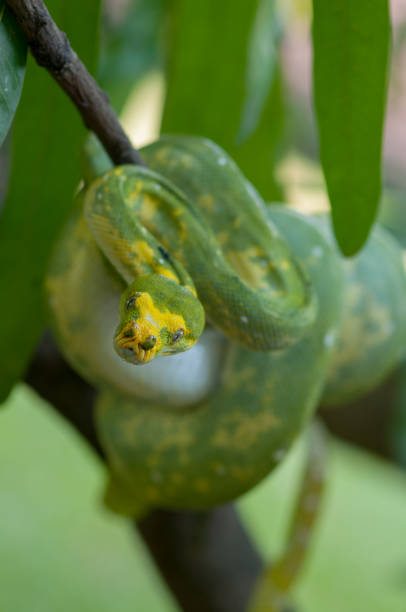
<point>61,551</point>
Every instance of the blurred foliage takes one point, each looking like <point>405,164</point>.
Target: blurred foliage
<point>273,586</point>
<point>68,553</point>
<point>225,80</point>
<point>60,550</point>
<point>397,424</point>
<point>218,85</point>
<point>392,214</point>
<point>351,54</point>
<point>393,217</point>
<point>356,560</point>
<point>13,54</point>
<point>45,169</point>
<point>261,69</point>
<point>131,46</point>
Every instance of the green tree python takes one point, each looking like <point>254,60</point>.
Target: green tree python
<point>146,257</point>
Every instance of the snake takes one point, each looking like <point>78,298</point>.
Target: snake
<point>255,309</point>
<point>171,245</point>
<point>182,249</point>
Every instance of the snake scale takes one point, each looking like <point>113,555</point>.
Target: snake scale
<point>182,246</point>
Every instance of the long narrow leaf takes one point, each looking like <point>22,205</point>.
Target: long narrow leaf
<point>262,63</point>
<point>13,55</point>
<point>217,88</point>
<point>351,48</point>
<point>47,138</point>
<point>130,48</point>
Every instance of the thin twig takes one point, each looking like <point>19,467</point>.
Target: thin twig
<point>51,49</point>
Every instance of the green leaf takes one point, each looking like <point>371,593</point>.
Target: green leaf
<point>47,138</point>
<point>262,63</point>
<point>130,47</point>
<point>351,50</point>
<point>13,55</point>
<point>258,155</point>
<point>219,89</point>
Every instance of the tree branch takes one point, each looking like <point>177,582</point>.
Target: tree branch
<point>206,558</point>
<point>51,49</point>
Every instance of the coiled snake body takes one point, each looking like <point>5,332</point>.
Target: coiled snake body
<point>191,225</point>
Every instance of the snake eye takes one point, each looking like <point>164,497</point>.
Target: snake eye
<point>131,300</point>
<point>178,335</point>
<point>129,333</point>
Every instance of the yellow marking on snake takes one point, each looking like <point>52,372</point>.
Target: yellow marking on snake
<point>119,246</point>
<point>374,326</point>
<point>206,201</point>
<point>143,249</point>
<point>222,237</point>
<point>149,208</point>
<point>255,273</point>
<point>149,323</point>
<point>202,484</point>
<point>136,192</point>
<point>246,430</point>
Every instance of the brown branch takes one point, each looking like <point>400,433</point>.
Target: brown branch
<point>206,558</point>
<point>51,49</point>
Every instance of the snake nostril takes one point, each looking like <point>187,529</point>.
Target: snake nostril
<point>148,343</point>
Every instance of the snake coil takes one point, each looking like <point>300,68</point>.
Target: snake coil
<point>167,247</point>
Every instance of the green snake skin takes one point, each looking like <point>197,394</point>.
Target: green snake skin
<point>251,287</point>
<point>147,255</point>
<point>372,338</point>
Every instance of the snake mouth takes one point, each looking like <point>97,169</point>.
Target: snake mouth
<point>133,351</point>
<point>143,355</point>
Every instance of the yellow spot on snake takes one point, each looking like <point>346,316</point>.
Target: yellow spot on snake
<point>150,322</point>
<point>252,266</point>
<point>366,326</point>
<point>149,208</point>
<point>168,273</point>
<point>142,247</point>
<point>151,316</point>
<point>148,255</point>
<point>222,237</point>
<point>136,192</point>
<point>241,431</point>
<point>202,484</point>
<point>206,201</point>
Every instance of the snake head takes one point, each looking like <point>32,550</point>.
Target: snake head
<point>157,317</point>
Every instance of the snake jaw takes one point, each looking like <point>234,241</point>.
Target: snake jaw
<point>144,356</point>
<point>134,349</point>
